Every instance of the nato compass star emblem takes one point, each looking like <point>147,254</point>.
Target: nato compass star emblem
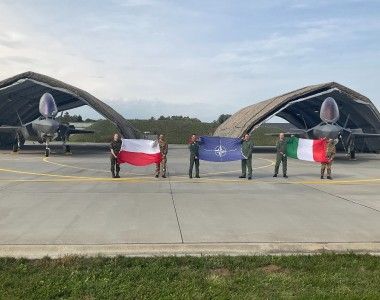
<point>220,151</point>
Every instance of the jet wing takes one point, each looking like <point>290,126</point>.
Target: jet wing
<point>288,134</point>
<point>80,131</point>
<point>362,134</point>
<point>9,129</point>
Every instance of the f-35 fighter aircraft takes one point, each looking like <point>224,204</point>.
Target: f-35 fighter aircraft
<point>328,128</point>
<point>43,130</point>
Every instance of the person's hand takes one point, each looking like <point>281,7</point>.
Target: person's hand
<point>196,157</point>
<point>115,155</point>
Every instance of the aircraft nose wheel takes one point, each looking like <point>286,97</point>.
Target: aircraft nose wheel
<point>47,152</point>
<point>67,149</point>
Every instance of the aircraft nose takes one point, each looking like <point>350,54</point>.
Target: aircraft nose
<point>329,110</point>
<point>53,126</point>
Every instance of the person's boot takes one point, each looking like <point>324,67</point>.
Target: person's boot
<point>113,175</point>
<point>117,175</point>
<point>156,176</point>
<point>163,176</point>
<point>249,177</point>
<point>322,177</point>
<point>275,175</point>
<point>329,177</point>
<point>285,176</point>
<point>242,176</point>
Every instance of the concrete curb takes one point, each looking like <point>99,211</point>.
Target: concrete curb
<point>146,250</point>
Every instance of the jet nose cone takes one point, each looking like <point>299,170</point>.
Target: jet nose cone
<point>329,111</point>
<point>48,107</point>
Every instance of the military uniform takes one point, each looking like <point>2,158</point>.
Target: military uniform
<point>115,146</point>
<point>281,157</point>
<point>161,166</point>
<point>194,159</point>
<point>246,162</point>
<point>330,154</point>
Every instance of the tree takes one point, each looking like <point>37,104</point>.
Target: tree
<point>223,118</point>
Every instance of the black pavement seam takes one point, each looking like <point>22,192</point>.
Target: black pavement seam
<point>175,208</point>
<point>342,198</point>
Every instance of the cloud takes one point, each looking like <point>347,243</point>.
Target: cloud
<point>190,55</point>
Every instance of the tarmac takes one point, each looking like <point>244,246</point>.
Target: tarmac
<point>69,205</point>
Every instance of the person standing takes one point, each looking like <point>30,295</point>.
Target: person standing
<point>330,154</point>
<point>194,156</point>
<point>115,147</point>
<point>281,156</point>
<point>246,162</point>
<point>161,166</point>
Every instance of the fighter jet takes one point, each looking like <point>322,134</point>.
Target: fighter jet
<point>328,128</point>
<point>43,130</point>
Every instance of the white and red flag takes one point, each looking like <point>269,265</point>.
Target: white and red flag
<point>139,152</point>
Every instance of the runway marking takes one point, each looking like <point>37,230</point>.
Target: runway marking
<point>46,159</point>
<point>89,169</point>
<point>177,179</point>
<point>373,181</point>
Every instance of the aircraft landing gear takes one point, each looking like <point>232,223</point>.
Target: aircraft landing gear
<point>352,154</point>
<point>67,149</point>
<point>47,149</point>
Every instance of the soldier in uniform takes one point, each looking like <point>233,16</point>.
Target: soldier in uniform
<point>246,162</point>
<point>161,167</point>
<point>194,156</point>
<point>115,147</point>
<point>330,154</point>
<point>281,156</point>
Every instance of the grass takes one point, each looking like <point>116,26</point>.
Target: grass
<point>308,277</point>
<point>176,131</point>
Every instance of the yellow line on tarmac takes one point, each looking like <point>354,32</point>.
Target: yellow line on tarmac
<point>63,176</point>
<point>178,179</point>
<point>374,181</point>
<point>80,168</point>
<point>46,159</point>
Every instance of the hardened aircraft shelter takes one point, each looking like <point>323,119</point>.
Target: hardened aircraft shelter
<point>20,94</point>
<point>301,108</point>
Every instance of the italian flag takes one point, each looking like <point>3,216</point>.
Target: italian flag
<point>139,152</point>
<point>304,149</point>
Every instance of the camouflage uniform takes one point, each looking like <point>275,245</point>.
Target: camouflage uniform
<point>330,154</point>
<point>115,146</point>
<point>281,157</point>
<point>194,159</point>
<point>162,165</point>
<point>246,162</point>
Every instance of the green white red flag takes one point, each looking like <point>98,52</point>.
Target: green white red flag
<point>309,150</point>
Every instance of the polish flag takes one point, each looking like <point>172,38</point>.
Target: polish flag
<point>139,152</point>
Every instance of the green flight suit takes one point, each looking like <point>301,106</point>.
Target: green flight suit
<point>115,146</point>
<point>246,162</point>
<point>194,159</point>
<point>281,157</point>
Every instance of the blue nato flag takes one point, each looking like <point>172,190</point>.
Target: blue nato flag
<point>219,149</point>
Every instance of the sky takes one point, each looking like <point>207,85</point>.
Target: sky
<point>195,58</point>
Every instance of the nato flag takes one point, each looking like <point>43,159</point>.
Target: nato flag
<point>215,148</point>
